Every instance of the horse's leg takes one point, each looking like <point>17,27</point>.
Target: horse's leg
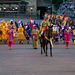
<point>41,48</point>
<point>41,44</point>
<point>46,49</point>
<point>50,50</point>
<point>41,51</point>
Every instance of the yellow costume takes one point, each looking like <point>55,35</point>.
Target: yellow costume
<point>4,35</point>
<point>1,26</point>
<point>15,28</point>
<point>21,36</point>
<point>43,26</point>
<point>35,34</point>
<point>0,34</point>
<point>3,22</point>
<point>8,23</point>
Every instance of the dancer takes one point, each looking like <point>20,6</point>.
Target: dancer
<point>67,36</point>
<point>9,37</point>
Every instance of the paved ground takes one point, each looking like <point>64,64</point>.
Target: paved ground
<point>24,60</point>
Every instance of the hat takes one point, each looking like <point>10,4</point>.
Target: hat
<point>11,21</point>
<point>20,26</point>
<point>8,23</point>
<point>3,21</point>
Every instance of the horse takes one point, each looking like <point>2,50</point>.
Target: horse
<point>46,38</point>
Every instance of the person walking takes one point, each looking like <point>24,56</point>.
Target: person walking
<point>21,36</point>
<point>9,33</point>
<point>0,35</point>
<point>67,35</point>
<point>35,35</point>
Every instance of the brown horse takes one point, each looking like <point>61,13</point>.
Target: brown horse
<point>46,38</point>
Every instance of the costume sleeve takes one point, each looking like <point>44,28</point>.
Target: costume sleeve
<point>22,29</point>
<point>38,34</point>
<point>48,24</point>
<point>41,25</point>
<point>18,29</point>
<point>7,32</point>
<point>69,33</point>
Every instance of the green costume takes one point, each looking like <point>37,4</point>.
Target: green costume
<point>35,34</point>
<point>43,26</point>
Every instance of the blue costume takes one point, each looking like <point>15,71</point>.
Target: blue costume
<point>60,32</point>
<point>63,32</point>
<point>28,30</point>
<point>11,22</point>
<point>26,35</point>
<point>16,26</point>
<point>57,34</point>
<point>37,25</point>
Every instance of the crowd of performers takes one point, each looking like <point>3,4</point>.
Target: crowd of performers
<point>63,30</point>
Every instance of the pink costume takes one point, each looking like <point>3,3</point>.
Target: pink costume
<point>9,36</point>
<point>67,35</point>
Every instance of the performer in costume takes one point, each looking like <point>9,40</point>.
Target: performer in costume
<point>34,23</point>
<point>11,22</point>
<point>9,33</point>
<point>67,36</point>
<point>63,28</point>
<point>65,21</point>
<point>0,35</point>
<point>26,35</point>
<point>35,35</point>
<point>15,32</point>
<point>16,26</point>
<point>73,34</point>
<point>44,25</point>
<point>21,36</point>
<point>8,24</point>
<point>1,26</point>
<point>3,22</point>
<point>60,32</point>
<point>56,33</point>
<point>28,29</point>
<point>49,17</point>
<point>46,15</point>
<point>4,35</point>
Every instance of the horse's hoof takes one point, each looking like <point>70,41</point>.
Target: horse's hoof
<point>41,53</point>
<point>51,56</point>
<point>46,55</point>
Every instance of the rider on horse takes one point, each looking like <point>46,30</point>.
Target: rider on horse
<point>44,25</point>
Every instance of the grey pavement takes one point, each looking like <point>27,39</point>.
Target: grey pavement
<point>24,60</point>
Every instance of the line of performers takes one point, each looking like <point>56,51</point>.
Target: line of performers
<point>12,31</point>
<point>63,29</point>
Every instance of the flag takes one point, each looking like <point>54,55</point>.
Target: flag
<point>30,25</point>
